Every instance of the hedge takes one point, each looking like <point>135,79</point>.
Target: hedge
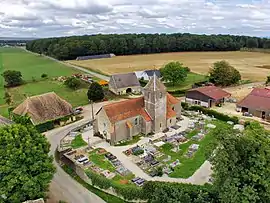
<point>180,192</point>
<point>128,192</point>
<point>217,115</point>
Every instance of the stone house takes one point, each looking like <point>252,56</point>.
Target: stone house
<point>206,96</point>
<point>257,103</point>
<point>124,84</point>
<point>154,112</point>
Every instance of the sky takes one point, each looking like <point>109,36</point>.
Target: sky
<point>53,18</point>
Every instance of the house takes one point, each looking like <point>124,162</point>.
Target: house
<point>256,103</point>
<point>206,96</point>
<point>4,121</point>
<point>154,112</point>
<point>124,84</point>
<point>147,74</point>
<point>45,109</point>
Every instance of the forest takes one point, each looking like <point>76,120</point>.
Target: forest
<point>69,48</point>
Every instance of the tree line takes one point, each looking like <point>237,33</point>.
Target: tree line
<point>68,48</point>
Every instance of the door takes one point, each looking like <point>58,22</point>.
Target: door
<point>263,115</point>
<point>210,103</point>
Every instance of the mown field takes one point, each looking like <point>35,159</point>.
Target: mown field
<point>32,67</point>
<point>250,64</point>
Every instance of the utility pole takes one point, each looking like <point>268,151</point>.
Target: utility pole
<point>92,110</point>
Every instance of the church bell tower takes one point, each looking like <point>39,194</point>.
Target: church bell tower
<point>155,99</point>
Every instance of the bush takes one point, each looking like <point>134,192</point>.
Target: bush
<point>13,78</point>
<point>138,152</point>
<point>216,114</point>
<point>44,75</point>
<point>184,105</point>
<point>95,92</point>
<point>73,83</point>
<point>98,180</point>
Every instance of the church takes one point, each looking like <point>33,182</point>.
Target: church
<point>154,112</point>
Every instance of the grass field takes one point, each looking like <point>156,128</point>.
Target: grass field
<point>32,67</point>
<point>199,62</point>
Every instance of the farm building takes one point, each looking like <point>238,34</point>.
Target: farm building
<point>45,111</point>
<point>4,121</point>
<point>256,103</point>
<point>101,56</point>
<point>154,112</point>
<point>124,84</point>
<point>206,96</point>
<point>147,74</point>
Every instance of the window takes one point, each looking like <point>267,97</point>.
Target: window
<point>148,95</point>
<point>160,95</point>
<point>160,125</point>
<point>136,121</point>
<point>170,120</point>
<point>104,124</point>
<point>173,108</point>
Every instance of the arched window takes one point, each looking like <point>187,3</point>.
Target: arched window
<point>160,95</point>
<point>148,95</point>
<point>173,108</point>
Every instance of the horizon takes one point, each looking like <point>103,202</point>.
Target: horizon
<point>50,18</point>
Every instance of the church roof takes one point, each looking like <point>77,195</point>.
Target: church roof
<point>155,84</point>
<point>134,107</point>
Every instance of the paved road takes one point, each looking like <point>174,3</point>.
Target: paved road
<point>98,75</point>
<point>63,187</point>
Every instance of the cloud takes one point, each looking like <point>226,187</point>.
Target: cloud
<point>46,18</point>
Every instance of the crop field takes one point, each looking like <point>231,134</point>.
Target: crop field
<point>253,66</point>
<point>32,67</point>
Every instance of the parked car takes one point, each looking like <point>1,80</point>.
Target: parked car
<point>247,114</point>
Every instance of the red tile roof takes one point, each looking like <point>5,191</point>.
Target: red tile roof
<point>213,92</point>
<point>258,99</point>
<point>134,107</point>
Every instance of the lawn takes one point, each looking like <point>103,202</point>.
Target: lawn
<point>75,97</point>
<point>134,140</point>
<point>32,67</point>
<point>190,165</point>
<point>78,142</point>
<point>187,84</point>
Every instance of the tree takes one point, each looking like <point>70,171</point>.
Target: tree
<point>241,165</point>
<point>13,78</point>
<point>224,74</point>
<point>252,43</point>
<point>267,80</point>
<point>73,83</point>
<point>7,98</point>
<point>266,44</point>
<point>95,92</point>
<point>174,72</point>
<point>44,75</point>
<point>26,169</point>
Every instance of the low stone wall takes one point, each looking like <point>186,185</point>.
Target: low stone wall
<point>81,173</point>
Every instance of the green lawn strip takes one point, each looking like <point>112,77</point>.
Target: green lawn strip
<point>2,89</point>
<point>101,161</point>
<point>134,140</point>
<point>105,196</point>
<point>78,142</point>
<point>4,111</point>
<point>76,98</point>
<point>187,84</point>
<point>33,66</point>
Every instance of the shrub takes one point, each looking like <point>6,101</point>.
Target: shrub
<point>99,180</point>
<point>73,83</point>
<point>184,105</point>
<point>138,152</point>
<point>95,92</point>
<point>44,75</point>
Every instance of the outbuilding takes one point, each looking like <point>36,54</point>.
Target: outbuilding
<point>206,96</point>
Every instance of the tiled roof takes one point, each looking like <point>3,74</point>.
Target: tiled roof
<point>134,107</point>
<point>213,92</point>
<point>258,99</point>
<point>126,109</point>
<point>125,80</point>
